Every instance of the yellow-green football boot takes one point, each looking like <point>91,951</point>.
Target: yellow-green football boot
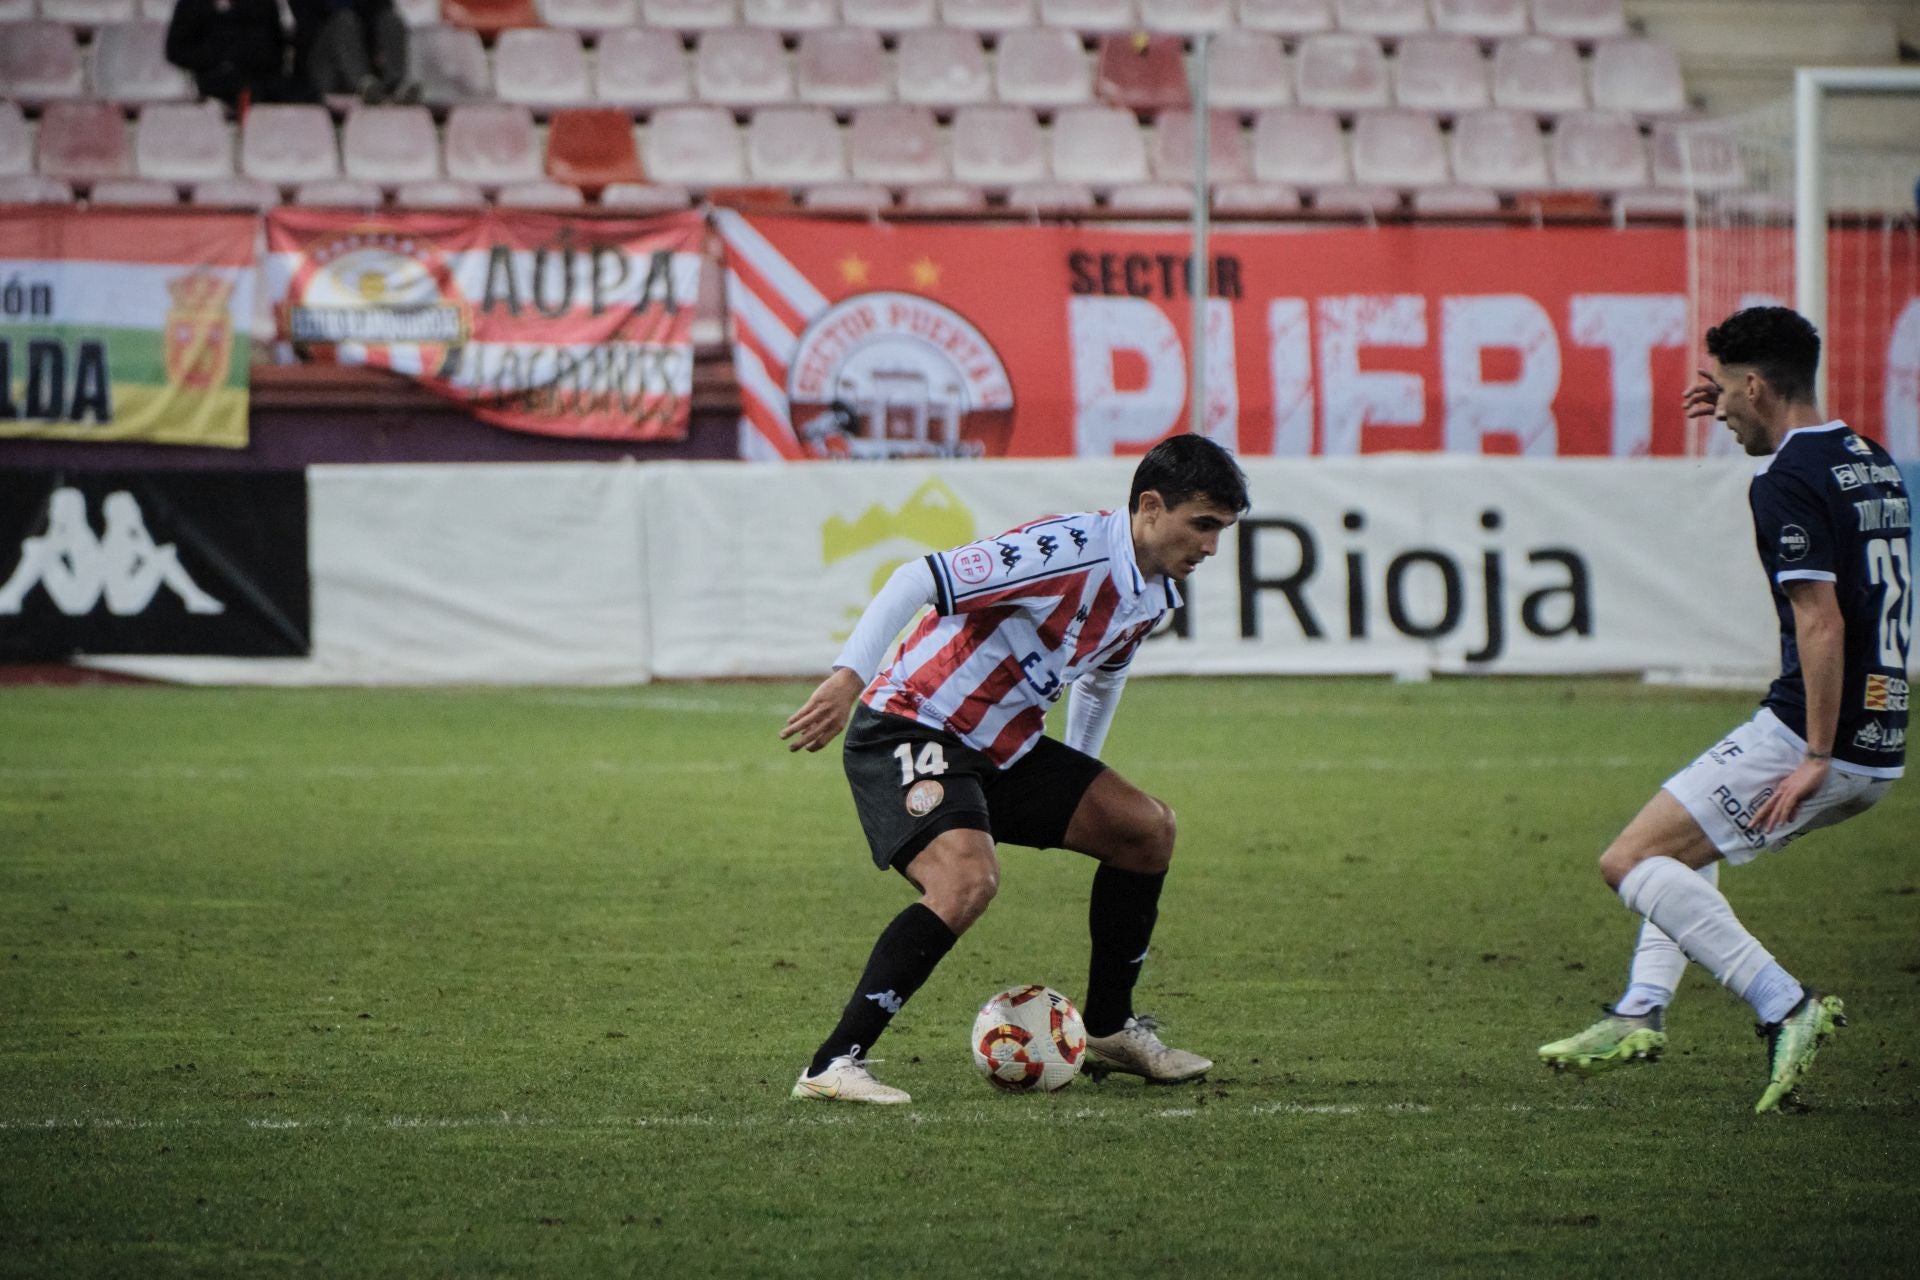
<point>1614,1041</point>
<point>1792,1043</point>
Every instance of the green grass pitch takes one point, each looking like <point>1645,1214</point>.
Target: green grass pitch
<point>514,983</point>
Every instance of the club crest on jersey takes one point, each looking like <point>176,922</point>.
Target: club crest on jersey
<point>1794,543</point>
<point>924,796</point>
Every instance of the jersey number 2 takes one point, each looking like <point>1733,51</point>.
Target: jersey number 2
<point>1887,569</point>
<point>931,764</point>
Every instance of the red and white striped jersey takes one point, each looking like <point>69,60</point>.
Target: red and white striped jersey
<point>1015,620</point>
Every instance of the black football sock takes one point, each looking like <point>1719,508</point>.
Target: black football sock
<point>1120,918</point>
<point>909,947</point>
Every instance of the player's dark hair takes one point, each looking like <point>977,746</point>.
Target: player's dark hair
<point>1777,341</point>
<point>1181,468</point>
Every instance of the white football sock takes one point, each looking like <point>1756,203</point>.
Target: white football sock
<point>1695,915</point>
<point>1657,964</point>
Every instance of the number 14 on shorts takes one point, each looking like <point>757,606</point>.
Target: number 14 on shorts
<point>930,763</point>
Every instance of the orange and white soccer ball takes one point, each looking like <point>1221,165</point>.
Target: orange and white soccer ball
<point>1029,1040</point>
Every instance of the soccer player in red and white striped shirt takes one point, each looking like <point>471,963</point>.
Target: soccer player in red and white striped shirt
<point>946,752</point>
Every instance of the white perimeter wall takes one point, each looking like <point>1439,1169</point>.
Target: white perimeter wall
<point>610,574</point>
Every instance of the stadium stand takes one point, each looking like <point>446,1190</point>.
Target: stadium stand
<point>795,146</point>
<point>640,68</point>
<point>690,15</point>
<point>997,146</point>
<point>646,197</point>
<point>1441,72</point>
<point>128,63</point>
<point>1637,75</point>
<point>1500,149</point>
<point>540,195</point>
<point>83,142</point>
<point>1579,19</point>
<point>1598,151</point>
<point>289,144</point>
<point>1248,70</point>
<point>541,68</point>
<point>491,144</point>
<point>40,63</point>
<point>1171,150</point>
<point>1290,18</point>
<point>790,15</point>
<point>16,10</point>
<point>1091,17</point>
<point>590,17</point>
<point>989,16</point>
<point>1365,201</point>
<point>235,193</point>
<point>1186,17</point>
<point>1300,147</point>
<point>338,193</point>
<point>695,145</point>
<point>938,67</point>
<point>742,67</point>
<point>896,144</point>
<point>842,67</point>
<point>1712,161</point>
<point>1342,71</point>
<point>1051,199</point>
<point>1455,201</point>
<point>592,147</point>
<point>944,197</point>
<point>1149,77</point>
<point>1386,18</point>
<point>489,17</point>
<point>1098,146</point>
<point>1482,19</point>
<point>133,191</point>
<point>390,145</point>
<point>847,197</point>
<point>1399,148</point>
<point>16,142</point>
<point>1162,199</point>
<point>439,193</point>
<point>183,142</point>
<point>889,17</point>
<point>1541,74</point>
<point>32,188</point>
<point>1255,199</point>
<point>1042,67</point>
<point>88,13</point>
<point>450,66</point>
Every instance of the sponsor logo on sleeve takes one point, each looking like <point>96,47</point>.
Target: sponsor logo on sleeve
<point>1794,543</point>
<point>1886,693</point>
<point>924,796</point>
<point>1856,445</point>
<point>972,565</point>
<point>1874,736</point>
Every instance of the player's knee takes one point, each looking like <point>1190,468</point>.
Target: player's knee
<point>1615,863</point>
<point>974,892</point>
<point>1149,842</point>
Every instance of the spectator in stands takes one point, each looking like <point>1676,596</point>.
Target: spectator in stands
<point>235,50</point>
<point>352,46</point>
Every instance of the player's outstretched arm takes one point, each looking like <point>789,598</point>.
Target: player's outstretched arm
<point>824,714</point>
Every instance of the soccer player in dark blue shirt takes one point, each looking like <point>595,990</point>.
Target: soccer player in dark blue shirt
<point>1833,524</point>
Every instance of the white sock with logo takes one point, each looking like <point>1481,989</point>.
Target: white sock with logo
<point>1658,964</point>
<point>1696,917</point>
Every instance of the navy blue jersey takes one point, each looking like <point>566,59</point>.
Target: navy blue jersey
<point>1830,506</point>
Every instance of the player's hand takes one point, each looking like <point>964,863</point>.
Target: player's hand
<point>1703,397</point>
<point>824,714</point>
<point>1778,809</point>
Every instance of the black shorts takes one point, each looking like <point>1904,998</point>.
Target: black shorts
<point>939,784</point>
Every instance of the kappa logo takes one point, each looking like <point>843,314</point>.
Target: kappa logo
<point>887,1000</point>
<point>1009,555</point>
<point>1794,543</point>
<point>1047,544</point>
<point>77,569</point>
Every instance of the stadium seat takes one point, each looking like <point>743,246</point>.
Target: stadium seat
<point>1541,74</point>
<point>1641,76</point>
<point>1299,146</point>
<point>645,197</point>
<point>944,197</point>
<point>289,144</point>
<point>1399,148</point>
<point>790,15</point>
<point>1440,72</point>
<point>415,13</point>
<point>1149,77</point>
<point>183,142</point>
<point>690,15</point>
<point>540,195</point>
<point>450,66</point>
<point>1341,72</point>
<point>88,13</point>
<point>1090,17</point>
<point>1710,162</point>
<point>439,193</point>
<point>843,67</point>
<point>997,146</point>
<point>1186,17</point>
<point>1260,199</point>
<point>1042,67</point>
<point>791,146</point>
<point>491,143</point>
<point>1051,199</point>
<point>1287,17</point>
<point>895,144</point>
<point>1500,149</point>
<point>939,67</point>
<point>641,68</point>
<point>890,16</point>
<point>17,10</point>
<point>16,142</point>
<point>1351,198</point>
<point>130,65</point>
<point>339,193</point>
<point>1579,19</point>
<point>847,197</point>
<point>235,193</point>
<point>542,69</point>
<point>1382,18</point>
<point>591,147</point>
<point>591,17</point>
<point>489,17</point>
<point>987,15</point>
<point>1168,199</point>
<point>390,144</point>
<point>34,188</point>
<point>1098,145</point>
<point>695,145</point>
<point>82,142</point>
<point>133,191</point>
<point>1482,19</point>
<point>1664,206</point>
<point>742,67</point>
<point>1455,201</point>
<point>1248,70</point>
<point>1171,151</point>
<point>1598,151</point>
<point>39,62</point>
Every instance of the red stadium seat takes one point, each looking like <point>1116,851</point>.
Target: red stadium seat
<point>1090,17</point>
<point>339,193</point>
<point>491,144</point>
<point>83,142</point>
<point>390,144</point>
<point>847,197</point>
<point>1287,17</point>
<point>789,15</point>
<point>489,17</point>
<point>591,147</point>
<point>695,145</point>
<point>1172,153</point>
<point>1051,199</point>
<point>1300,146</point>
<point>590,17</point>
<point>1539,74</point>
<point>439,193</point>
<point>641,68</point>
<point>742,67</point>
<point>1641,76</point>
<point>690,15</point>
<point>1186,17</point>
<point>1248,70</point>
<point>288,144</point>
<point>1385,18</point>
<point>1598,151</point>
<point>843,67</point>
<point>540,195</point>
<point>1500,149</point>
<point>450,66</point>
<point>39,62</point>
<point>890,17</point>
<point>1099,146</point>
<point>944,197</point>
<point>130,65</point>
<point>987,15</point>
<point>940,67</point>
<point>645,197</point>
<point>543,69</point>
<point>1399,148</point>
<point>791,146</point>
<point>16,142</point>
<point>1579,19</point>
<point>997,146</point>
<point>1143,77</point>
<point>1482,19</point>
<point>1263,199</point>
<point>1042,67</point>
<point>34,188</point>
<point>236,193</point>
<point>1341,72</point>
<point>896,144</point>
<point>133,191</point>
<point>183,142</point>
<point>1440,72</point>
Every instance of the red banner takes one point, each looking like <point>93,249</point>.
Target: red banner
<point>548,323</point>
<point>858,339</point>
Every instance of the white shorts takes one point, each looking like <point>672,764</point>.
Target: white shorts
<point>1729,781</point>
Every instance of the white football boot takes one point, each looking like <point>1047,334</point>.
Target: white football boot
<point>1136,1051</point>
<point>846,1079</point>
